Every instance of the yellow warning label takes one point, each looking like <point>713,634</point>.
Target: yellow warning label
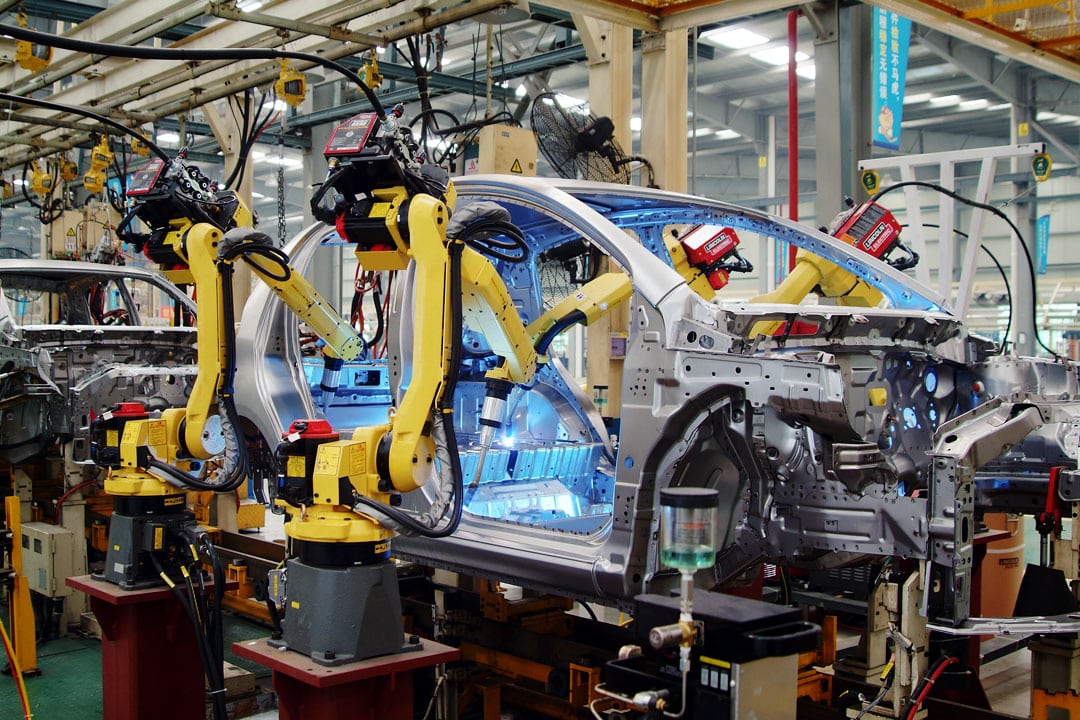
<point>296,466</point>
<point>158,434</point>
<point>382,547</point>
<point>112,438</point>
<point>131,432</point>
<point>70,232</point>
<point>357,458</point>
<point>295,605</point>
<point>516,167</point>
<point>178,500</point>
<point>381,209</point>
<point>159,538</point>
<point>326,462</point>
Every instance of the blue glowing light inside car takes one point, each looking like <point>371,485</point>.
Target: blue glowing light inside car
<point>930,381</point>
<point>911,420</point>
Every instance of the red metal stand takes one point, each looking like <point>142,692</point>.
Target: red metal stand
<point>150,665</point>
<point>374,689</point>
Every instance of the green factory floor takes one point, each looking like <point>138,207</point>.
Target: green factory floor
<point>70,682</point>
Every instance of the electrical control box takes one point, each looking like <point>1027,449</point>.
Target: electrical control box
<point>503,149</point>
<point>65,237</point>
<point>48,558</point>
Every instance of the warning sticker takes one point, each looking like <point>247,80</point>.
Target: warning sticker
<point>326,462</point>
<point>516,167</point>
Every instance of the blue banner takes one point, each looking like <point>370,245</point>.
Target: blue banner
<point>891,36</point>
<point>1042,243</point>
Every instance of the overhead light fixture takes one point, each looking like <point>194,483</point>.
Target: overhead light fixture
<point>777,55</point>
<point>735,38</point>
<point>1000,106</point>
<point>521,91</point>
<point>168,137</point>
<point>916,98</point>
<point>727,134</point>
<point>510,13</point>
<point>635,124</point>
<point>977,104</point>
<point>699,132</point>
<point>807,71</point>
<point>945,100</point>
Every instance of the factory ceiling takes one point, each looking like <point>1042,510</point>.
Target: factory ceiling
<point>970,63</point>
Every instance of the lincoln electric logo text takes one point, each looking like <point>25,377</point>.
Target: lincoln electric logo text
<point>871,240</point>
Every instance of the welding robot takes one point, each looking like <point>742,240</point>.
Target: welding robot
<point>869,227</point>
<point>338,589</point>
<point>152,461</point>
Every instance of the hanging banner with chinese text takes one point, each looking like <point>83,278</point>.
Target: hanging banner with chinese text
<point>891,35</point>
<point>1042,243</point>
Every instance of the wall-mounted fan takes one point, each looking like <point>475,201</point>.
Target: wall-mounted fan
<point>579,145</point>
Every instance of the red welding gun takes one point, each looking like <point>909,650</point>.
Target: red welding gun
<point>714,252</point>
<point>876,231</point>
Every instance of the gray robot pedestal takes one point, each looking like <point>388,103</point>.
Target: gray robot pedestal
<point>337,615</point>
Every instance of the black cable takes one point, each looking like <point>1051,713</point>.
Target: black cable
<point>570,319</point>
<point>492,247</point>
<point>142,52</point>
<point>45,104</point>
<point>444,406</point>
<point>201,641</point>
<point>1008,293</point>
<point>1004,279</point>
<point>990,208</point>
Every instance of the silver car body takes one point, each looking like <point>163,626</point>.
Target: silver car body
<point>77,337</point>
<point>864,436</point>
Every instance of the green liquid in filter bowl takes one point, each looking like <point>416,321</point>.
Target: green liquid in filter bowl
<point>688,556</point>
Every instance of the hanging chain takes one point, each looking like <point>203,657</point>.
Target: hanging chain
<point>281,193</point>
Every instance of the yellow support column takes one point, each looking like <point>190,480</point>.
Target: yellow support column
<point>20,612</point>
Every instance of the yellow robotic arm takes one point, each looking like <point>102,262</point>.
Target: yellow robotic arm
<point>869,227</point>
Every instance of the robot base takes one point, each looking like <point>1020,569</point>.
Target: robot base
<point>138,526</point>
<point>337,615</point>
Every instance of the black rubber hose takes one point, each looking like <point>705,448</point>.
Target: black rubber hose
<point>141,52</point>
<point>201,641</point>
<point>445,405</point>
<point>1016,233</point>
<point>568,320</point>
<point>8,97</point>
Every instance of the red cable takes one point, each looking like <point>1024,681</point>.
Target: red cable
<point>68,494</point>
<point>927,684</point>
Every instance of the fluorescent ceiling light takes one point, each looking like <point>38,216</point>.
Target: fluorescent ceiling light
<point>249,5</point>
<point>979,104</point>
<point>945,100</point>
<point>917,98</point>
<point>807,71</point>
<point>699,132</point>
<point>1053,117</point>
<point>168,137</point>
<point>727,134</point>
<point>635,124</point>
<point>1000,106</point>
<point>520,91</point>
<point>777,55</point>
<point>735,38</point>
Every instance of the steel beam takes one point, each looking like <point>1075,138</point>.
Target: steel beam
<point>334,32</point>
